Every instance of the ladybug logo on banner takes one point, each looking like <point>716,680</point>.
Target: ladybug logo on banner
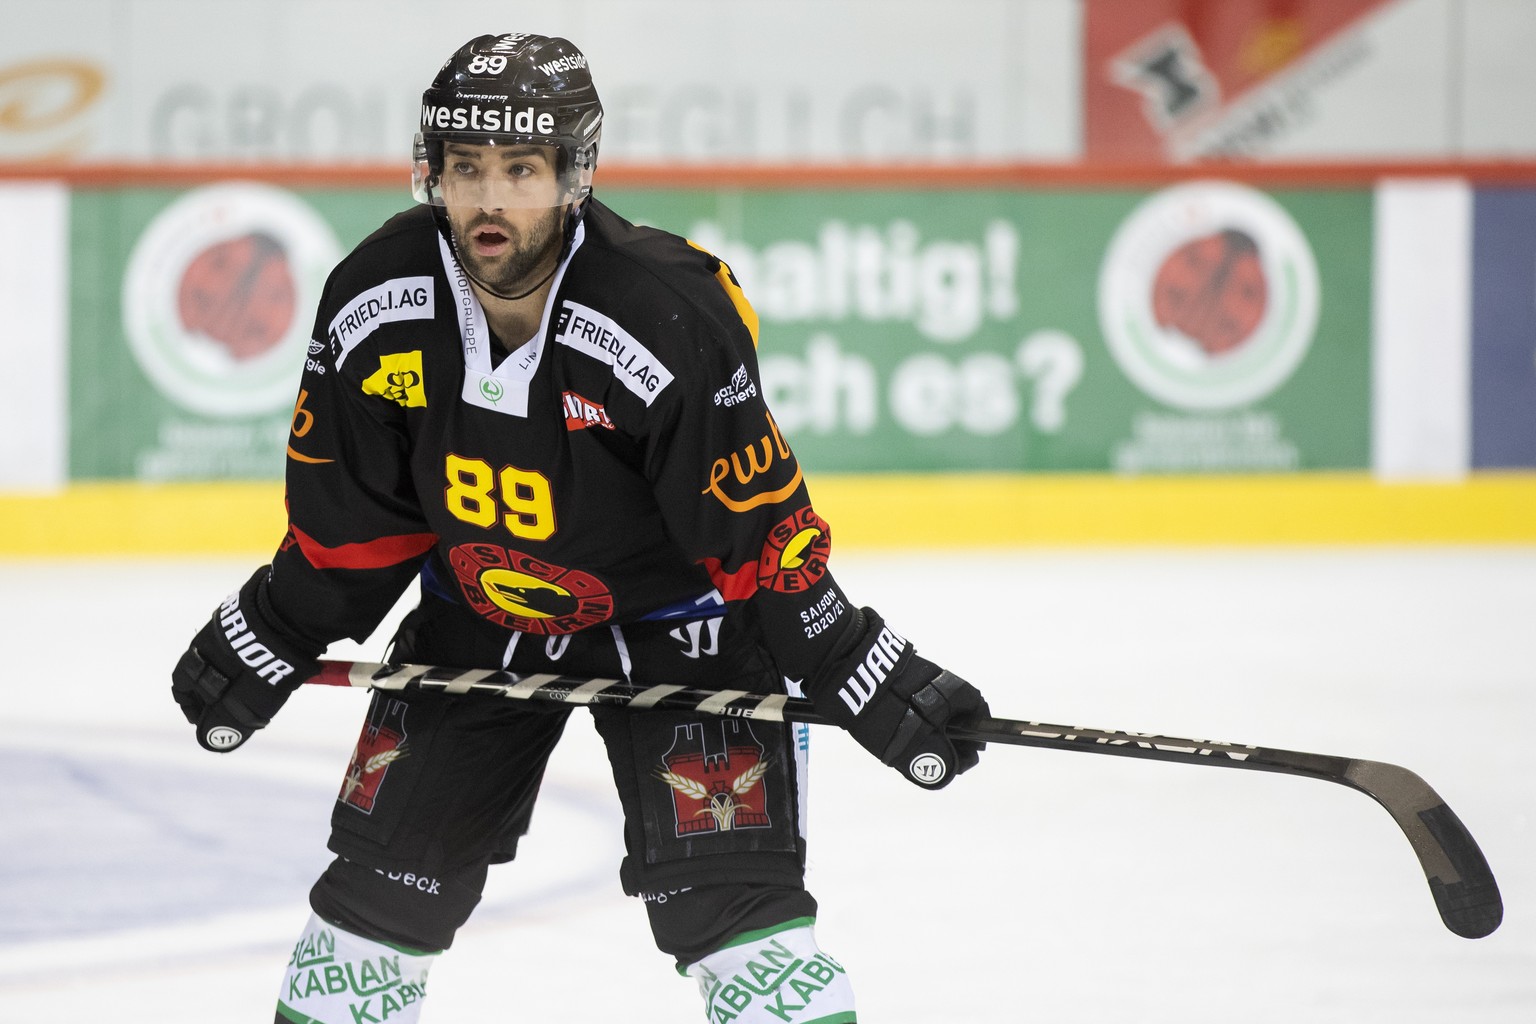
<point>1209,296</point>
<point>214,292</point>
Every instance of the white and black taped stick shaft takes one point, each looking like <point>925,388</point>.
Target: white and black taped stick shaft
<point>564,689</point>
<point>1459,878</point>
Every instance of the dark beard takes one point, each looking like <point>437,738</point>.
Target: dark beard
<point>529,255</point>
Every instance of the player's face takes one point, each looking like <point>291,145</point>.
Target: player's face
<point>505,204</point>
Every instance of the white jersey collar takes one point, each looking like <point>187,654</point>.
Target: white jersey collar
<point>502,388</point>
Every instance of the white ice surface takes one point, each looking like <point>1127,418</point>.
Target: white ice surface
<point>142,879</point>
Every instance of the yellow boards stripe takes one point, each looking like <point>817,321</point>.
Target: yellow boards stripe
<point>878,511</point>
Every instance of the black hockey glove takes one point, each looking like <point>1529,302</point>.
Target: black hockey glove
<point>896,704</point>
<point>239,670</point>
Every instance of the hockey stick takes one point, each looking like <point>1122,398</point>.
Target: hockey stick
<point>1459,878</point>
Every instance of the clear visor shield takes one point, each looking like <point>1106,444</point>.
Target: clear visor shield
<point>497,176</point>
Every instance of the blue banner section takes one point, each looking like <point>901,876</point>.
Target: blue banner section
<point>1504,329</point>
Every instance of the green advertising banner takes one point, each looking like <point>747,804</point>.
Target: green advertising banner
<point>1206,327</point>
<point>190,316</point>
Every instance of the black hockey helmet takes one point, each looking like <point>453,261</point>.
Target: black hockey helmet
<point>512,89</point>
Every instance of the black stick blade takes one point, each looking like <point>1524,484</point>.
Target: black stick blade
<point>1470,905</point>
<point>1460,880</point>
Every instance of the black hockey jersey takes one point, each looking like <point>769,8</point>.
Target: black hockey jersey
<point>620,467</point>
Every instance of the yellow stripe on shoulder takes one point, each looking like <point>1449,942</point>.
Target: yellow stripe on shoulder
<point>727,279</point>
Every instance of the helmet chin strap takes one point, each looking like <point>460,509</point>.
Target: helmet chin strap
<point>503,295</point>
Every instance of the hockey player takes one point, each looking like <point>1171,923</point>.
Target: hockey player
<point>552,419</point>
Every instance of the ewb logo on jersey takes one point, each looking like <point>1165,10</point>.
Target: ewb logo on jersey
<point>760,473</point>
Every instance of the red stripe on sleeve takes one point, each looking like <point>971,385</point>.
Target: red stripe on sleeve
<point>733,586</point>
<point>379,553</point>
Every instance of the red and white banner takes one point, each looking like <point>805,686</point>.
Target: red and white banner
<point>1175,80</point>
